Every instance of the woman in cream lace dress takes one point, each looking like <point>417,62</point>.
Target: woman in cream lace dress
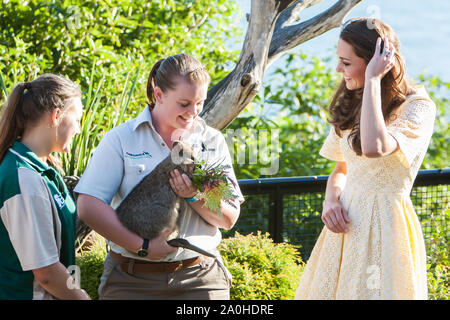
<point>372,245</point>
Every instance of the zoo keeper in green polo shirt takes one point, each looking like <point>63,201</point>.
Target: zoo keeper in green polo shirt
<point>37,225</point>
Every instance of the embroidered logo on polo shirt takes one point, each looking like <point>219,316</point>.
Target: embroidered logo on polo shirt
<point>204,148</point>
<point>143,154</point>
<point>59,200</point>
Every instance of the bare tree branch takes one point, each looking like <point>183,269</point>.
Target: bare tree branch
<point>292,13</point>
<point>199,23</point>
<point>231,95</point>
<point>288,37</point>
<point>271,33</point>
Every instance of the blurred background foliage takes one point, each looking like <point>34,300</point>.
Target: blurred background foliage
<point>108,48</point>
<point>68,37</point>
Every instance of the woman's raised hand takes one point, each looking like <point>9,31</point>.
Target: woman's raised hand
<point>382,61</point>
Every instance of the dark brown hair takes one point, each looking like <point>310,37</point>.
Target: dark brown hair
<point>345,107</point>
<point>28,102</point>
<point>166,72</point>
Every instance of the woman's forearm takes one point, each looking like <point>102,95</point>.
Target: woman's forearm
<point>375,138</point>
<point>226,220</point>
<point>56,280</point>
<point>336,182</point>
<point>104,220</point>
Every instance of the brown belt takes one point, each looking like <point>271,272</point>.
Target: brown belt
<point>133,266</point>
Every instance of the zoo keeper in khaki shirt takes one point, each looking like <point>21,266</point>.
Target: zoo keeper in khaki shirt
<point>124,157</point>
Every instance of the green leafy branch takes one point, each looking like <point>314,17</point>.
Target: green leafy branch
<point>213,183</point>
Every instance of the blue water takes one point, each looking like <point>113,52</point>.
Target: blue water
<point>423,28</point>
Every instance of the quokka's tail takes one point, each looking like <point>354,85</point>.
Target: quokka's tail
<point>183,243</point>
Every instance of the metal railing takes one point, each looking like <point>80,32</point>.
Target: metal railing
<point>290,209</point>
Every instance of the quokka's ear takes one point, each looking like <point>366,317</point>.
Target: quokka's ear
<point>178,153</point>
<point>175,143</point>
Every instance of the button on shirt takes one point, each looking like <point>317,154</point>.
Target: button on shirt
<point>129,152</point>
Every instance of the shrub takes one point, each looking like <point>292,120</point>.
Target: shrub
<point>438,282</point>
<point>261,269</point>
<point>68,36</point>
<point>438,256</point>
<point>90,262</point>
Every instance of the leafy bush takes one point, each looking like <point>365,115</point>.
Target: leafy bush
<point>294,101</point>
<point>438,282</point>
<point>90,262</point>
<point>437,154</point>
<point>438,255</point>
<point>261,269</point>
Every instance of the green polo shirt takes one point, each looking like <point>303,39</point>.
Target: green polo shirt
<point>37,225</point>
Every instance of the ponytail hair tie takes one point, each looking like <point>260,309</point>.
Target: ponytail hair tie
<point>27,85</point>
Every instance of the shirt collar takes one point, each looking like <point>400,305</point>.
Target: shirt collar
<point>29,156</point>
<point>21,150</point>
<point>144,116</point>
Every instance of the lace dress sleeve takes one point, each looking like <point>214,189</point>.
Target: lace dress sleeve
<point>331,148</point>
<point>412,129</point>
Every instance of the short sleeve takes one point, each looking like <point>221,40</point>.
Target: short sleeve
<point>413,129</point>
<point>331,148</point>
<point>105,170</point>
<point>29,220</point>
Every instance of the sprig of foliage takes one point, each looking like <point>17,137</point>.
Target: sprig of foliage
<point>213,183</point>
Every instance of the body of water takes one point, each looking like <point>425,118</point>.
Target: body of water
<point>423,28</point>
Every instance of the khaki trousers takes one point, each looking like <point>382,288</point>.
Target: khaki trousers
<point>208,280</point>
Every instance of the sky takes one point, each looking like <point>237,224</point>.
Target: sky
<point>423,28</point>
